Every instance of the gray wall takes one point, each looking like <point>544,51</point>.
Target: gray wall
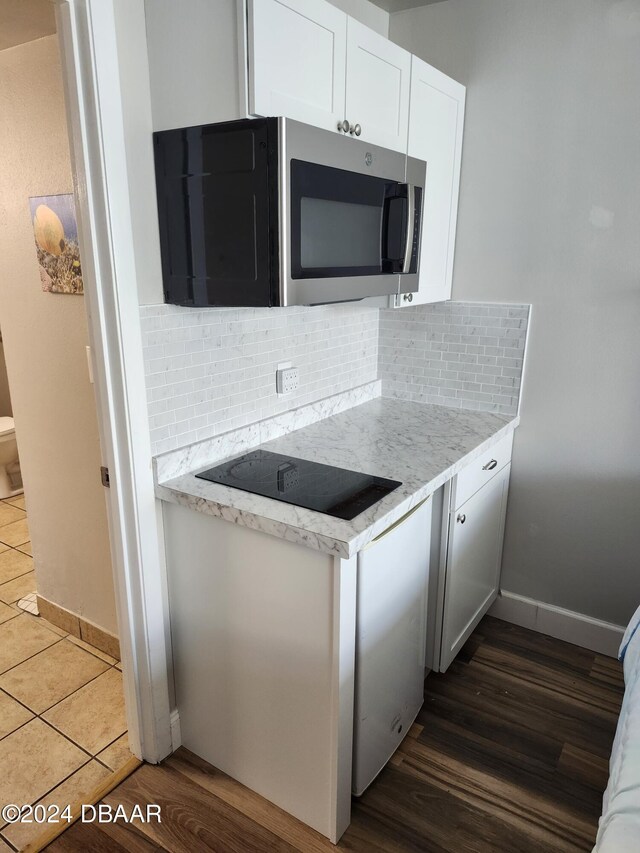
<point>367,13</point>
<point>550,214</point>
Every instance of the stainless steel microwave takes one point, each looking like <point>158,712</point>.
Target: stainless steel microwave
<point>267,212</point>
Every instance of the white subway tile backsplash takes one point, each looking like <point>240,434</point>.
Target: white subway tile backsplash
<point>213,370</point>
<point>209,371</point>
<point>454,354</point>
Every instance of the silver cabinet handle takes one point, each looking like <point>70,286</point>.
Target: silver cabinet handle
<point>408,297</point>
<point>461,518</point>
<point>355,128</point>
<point>490,465</point>
<point>344,126</point>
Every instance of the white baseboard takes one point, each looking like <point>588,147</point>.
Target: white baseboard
<point>176,734</point>
<point>576,628</point>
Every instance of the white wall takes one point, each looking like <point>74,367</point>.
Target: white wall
<point>135,93</point>
<point>45,336</point>
<point>550,214</point>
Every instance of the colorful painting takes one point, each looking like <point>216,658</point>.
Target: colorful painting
<point>56,234</point>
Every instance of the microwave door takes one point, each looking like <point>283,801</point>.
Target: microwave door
<point>334,214</point>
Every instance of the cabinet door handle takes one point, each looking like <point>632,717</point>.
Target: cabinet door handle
<point>490,465</point>
<point>344,126</point>
<point>397,523</point>
<point>461,518</point>
<point>355,129</point>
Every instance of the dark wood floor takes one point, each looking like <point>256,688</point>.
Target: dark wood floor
<point>509,753</point>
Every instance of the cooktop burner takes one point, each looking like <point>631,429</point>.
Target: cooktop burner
<point>324,488</point>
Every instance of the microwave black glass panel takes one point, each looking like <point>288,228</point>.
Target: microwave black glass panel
<point>324,488</point>
<point>345,223</point>
<point>217,203</point>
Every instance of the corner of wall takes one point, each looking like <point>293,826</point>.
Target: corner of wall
<point>367,13</point>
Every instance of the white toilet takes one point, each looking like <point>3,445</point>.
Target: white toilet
<point>10,479</point>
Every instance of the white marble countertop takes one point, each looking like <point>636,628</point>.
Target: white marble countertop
<point>423,446</point>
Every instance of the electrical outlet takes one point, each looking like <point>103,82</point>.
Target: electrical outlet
<point>286,379</point>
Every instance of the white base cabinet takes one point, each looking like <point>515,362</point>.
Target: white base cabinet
<point>299,673</point>
<point>263,637</point>
<point>474,512</point>
<point>476,531</point>
<point>283,655</point>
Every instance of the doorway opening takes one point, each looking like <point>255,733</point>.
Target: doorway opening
<point>63,727</point>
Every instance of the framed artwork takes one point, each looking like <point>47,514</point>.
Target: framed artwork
<point>56,235</point>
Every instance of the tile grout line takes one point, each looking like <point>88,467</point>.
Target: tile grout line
<point>55,704</point>
<point>82,686</point>
<point>90,757</point>
<point>67,738</point>
<point>50,790</point>
<point>59,731</point>
<point>35,653</point>
<point>16,548</point>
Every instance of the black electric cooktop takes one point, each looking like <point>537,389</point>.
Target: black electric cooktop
<point>324,488</point>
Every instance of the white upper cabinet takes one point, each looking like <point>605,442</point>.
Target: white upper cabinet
<point>309,61</point>
<point>436,120</point>
<point>378,82</point>
<point>297,57</point>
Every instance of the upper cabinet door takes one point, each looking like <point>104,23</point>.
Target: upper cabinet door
<point>378,81</point>
<point>436,122</point>
<point>297,52</point>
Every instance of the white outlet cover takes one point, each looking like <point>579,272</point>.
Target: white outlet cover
<point>287,379</point>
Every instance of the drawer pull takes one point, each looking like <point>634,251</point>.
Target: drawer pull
<point>490,465</point>
<point>461,518</point>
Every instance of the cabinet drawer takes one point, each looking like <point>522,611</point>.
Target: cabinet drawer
<point>481,470</point>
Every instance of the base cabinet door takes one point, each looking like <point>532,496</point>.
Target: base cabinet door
<point>474,555</point>
<point>297,58</point>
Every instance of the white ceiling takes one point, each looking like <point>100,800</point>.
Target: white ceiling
<point>25,20</point>
<point>401,5</point>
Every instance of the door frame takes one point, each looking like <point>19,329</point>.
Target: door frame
<point>99,133</point>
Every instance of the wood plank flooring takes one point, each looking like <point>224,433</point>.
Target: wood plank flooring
<point>509,753</point>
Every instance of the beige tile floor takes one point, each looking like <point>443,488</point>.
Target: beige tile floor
<point>62,720</point>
